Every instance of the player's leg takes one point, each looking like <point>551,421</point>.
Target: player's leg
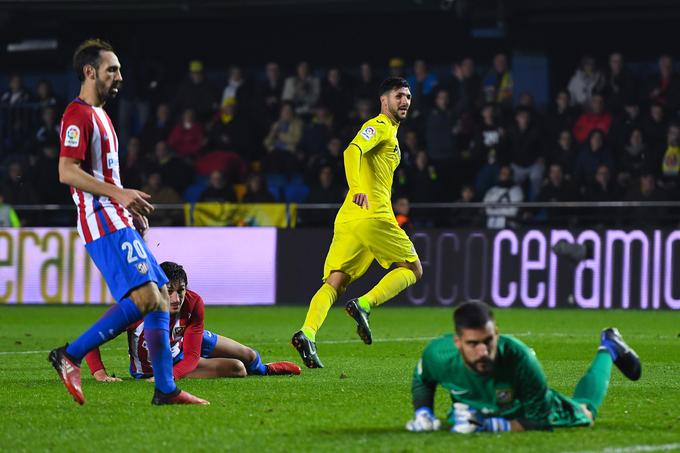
<point>592,388</point>
<point>218,367</point>
<point>333,287</point>
<point>217,346</point>
<point>390,245</point>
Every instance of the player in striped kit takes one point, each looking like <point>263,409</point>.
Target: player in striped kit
<point>196,352</point>
<point>88,162</point>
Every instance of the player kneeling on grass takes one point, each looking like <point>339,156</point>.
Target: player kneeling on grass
<point>497,384</point>
<point>196,352</point>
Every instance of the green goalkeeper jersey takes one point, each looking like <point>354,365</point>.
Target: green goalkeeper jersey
<point>516,389</point>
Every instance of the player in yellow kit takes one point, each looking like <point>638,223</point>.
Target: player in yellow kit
<point>365,227</point>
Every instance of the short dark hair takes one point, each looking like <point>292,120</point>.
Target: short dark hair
<point>472,314</point>
<point>87,53</point>
<point>392,83</point>
<point>174,272</point>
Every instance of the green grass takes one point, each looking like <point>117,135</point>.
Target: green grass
<point>359,402</point>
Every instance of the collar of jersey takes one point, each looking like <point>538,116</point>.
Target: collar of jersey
<point>389,120</point>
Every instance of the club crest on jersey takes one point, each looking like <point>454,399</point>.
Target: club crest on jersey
<point>178,331</point>
<point>72,136</point>
<point>368,132</point>
<point>504,396</point>
<point>142,267</point>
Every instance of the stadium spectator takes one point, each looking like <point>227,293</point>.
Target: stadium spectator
<point>187,137</point>
<point>557,189</point>
<point>654,127</point>
<point>269,91</point>
<point>560,116</point>
<point>595,118</point>
<point>175,171</point>
<point>423,180</point>
<point>196,93</point>
<point>238,89</point>
<point>670,162</point>
<point>664,87</point>
<point>618,85</point>
<point>396,67</point>
<point>256,192</point>
<point>601,189</point>
<point>133,168</point>
<point>332,157</point>
<point>326,190</point>
<point>439,132</point>
<point>336,94</point>
<point>584,82</point>
<point>218,190</point>
<point>45,176</point>
<point>593,154</point>
<point>16,93</point>
<point>48,130</point>
<point>645,190</point>
<point>157,128</point>
<point>422,84</point>
<point>523,149</point>
<point>302,90</point>
<point>231,131</point>
<point>464,87</point>
<point>282,141</point>
<point>488,136</point>
<point>367,84</point>
<point>402,213</point>
<point>563,153</point>
<point>45,95</point>
<point>317,132</point>
<point>505,191</point>
<point>8,216</point>
<point>162,194</point>
<point>17,187</point>
<point>624,122</point>
<point>632,157</point>
<point>466,217</point>
<point>498,85</point>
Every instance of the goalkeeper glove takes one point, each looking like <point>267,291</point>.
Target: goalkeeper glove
<point>467,420</point>
<point>423,420</point>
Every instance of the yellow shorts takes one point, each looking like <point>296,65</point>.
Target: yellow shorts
<point>357,243</point>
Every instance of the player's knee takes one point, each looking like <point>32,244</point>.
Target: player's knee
<point>237,369</point>
<point>417,269</point>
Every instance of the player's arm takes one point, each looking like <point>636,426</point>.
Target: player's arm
<point>367,139</point>
<point>191,345</point>
<point>70,173</point>
<point>96,365</point>
<point>532,390</point>
<point>423,388</point>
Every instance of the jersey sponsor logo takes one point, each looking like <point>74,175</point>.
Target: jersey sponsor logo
<point>111,160</point>
<point>504,396</point>
<point>455,392</point>
<point>142,267</point>
<point>368,132</point>
<point>72,136</point>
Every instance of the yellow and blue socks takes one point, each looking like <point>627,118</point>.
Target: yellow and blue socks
<point>114,321</point>
<point>390,285</point>
<point>157,335</point>
<point>318,310</point>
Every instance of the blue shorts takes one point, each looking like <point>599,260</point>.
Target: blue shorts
<point>125,261</point>
<point>207,346</point>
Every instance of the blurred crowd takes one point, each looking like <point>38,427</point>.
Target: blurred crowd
<point>271,136</point>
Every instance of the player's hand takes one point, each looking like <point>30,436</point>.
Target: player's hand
<point>141,224</point>
<point>423,421</point>
<point>361,200</point>
<point>102,376</point>
<point>135,201</point>
<point>468,420</point>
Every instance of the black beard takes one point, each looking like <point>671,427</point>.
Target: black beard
<point>489,368</point>
<point>104,94</point>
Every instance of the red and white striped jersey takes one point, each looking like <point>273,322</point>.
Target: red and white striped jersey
<point>87,134</point>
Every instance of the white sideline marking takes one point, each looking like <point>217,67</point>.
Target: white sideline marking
<point>384,340</point>
<point>633,449</point>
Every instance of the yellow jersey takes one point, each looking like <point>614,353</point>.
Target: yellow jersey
<point>379,156</point>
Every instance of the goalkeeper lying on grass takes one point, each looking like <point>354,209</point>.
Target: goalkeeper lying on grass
<point>497,384</point>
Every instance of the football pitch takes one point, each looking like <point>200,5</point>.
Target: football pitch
<point>359,402</point>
